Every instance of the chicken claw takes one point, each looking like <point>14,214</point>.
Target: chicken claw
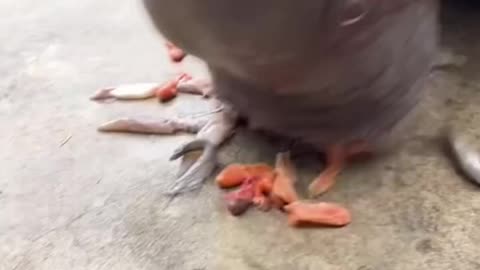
<point>208,140</point>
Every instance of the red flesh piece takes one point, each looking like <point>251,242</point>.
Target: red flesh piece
<point>325,214</point>
<point>169,91</point>
<point>240,200</point>
<point>176,54</point>
<point>233,175</point>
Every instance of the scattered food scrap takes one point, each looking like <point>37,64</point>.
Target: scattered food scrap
<point>176,54</point>
<point>283,191</point>
<point>257,184</point>
<point>165,92</point>
<point>240,200</point>
<point>234,174</point>
<point>127,92</point>
<point>169,90</point>
<point>264,186</point>
<point>322,213</point>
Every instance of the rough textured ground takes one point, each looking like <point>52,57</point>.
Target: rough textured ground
<point>95,203</point>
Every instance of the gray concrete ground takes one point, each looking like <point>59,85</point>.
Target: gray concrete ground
<point>95,203</point>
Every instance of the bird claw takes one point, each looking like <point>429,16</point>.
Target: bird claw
<point>191,146</point>
<point>199,171</point>
<point>208,139</point>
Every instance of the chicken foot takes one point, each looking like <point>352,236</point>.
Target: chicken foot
<point>216,131</point>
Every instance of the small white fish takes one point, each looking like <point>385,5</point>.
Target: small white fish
<point>127,92</point>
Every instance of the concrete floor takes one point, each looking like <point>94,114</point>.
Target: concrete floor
<point>95,203</point>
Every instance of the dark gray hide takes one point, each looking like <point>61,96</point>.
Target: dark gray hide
<point>323,71</point>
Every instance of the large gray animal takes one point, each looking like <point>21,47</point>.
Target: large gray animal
<point>344,76</point>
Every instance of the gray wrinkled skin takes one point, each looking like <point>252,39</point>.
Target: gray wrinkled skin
<point>324,72</point>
